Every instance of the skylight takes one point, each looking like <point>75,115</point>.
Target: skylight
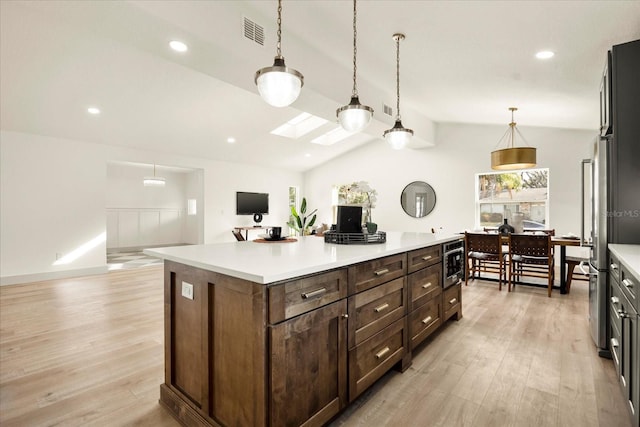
<point>299,126</point>
<point>332,137</point>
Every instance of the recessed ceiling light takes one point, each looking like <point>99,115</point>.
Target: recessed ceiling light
<point>544,54</point>
<point>307,155</point>
<point>93,110</point>
<point>178,46</point>
<point>231,140</point>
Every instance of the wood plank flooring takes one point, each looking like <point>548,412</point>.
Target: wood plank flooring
<point>89,352</point>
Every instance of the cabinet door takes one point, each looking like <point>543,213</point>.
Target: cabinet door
<point>309,367</point>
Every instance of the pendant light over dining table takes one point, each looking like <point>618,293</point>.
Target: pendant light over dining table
<point>513,157</point>
<point>354,116</point>
<point>279,85</point>
<point>398,136</point>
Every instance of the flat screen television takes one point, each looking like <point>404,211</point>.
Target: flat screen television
<point>251,203</point>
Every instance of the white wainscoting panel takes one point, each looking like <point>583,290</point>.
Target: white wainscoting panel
<point>139,227</point>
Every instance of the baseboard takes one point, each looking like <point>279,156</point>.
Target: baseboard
<point>52,275</point>
<point>140,248</point>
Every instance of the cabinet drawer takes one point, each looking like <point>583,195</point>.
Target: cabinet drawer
<point>424,321</point>
<point>629,285</point>
<point>374,357</point>
<point>451,301</point>
<point>368,274</point>
<point>614,267</point>
<point>421,258</point>
<point>373,310</point>
<point>299,296</point>
<point>424,285</point>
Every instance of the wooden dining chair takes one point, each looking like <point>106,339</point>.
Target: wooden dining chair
<point>484,251</point>
<point>531,255</point>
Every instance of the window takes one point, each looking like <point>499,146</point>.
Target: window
<point>514,196</point>
<point>192,207</point>
<point>293,201</point>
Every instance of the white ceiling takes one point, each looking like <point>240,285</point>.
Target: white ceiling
<point>462,61</point>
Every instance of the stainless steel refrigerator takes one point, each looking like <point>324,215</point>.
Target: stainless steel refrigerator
<point>611,179</point>
<point>595,182</point>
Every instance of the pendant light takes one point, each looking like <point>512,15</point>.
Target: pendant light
<point>279,85</point>
<point>513,157</point>
<point>153,181</point>
<point>354,117</point>
<point>398,136</point>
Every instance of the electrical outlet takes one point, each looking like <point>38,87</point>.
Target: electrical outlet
<point>187,290</point>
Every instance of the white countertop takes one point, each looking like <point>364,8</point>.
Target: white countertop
<point>275,261</point>
<point>629,255</point>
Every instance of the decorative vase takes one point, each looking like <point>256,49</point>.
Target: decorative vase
<point>505,228</point>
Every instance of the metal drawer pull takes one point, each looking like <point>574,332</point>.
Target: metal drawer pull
<point>426,285</point>
<point>381,271</point>
<point>614,266</point>
<point>315,293</point>
<point>381,353</point>
<point>615,300</point>
<point>614,343</point>
<point>453,301</point>
<point>427,257</point>
<point>381,307</point>
<point>426,320</point>
<point>628,283</point>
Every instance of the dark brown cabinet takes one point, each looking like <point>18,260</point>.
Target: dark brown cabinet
<point>296,352</point>
<point>309,367</point>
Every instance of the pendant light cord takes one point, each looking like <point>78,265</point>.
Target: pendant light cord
<point>354,93</point>
<point>510,133</point>
<point>279,44</point>
<point>398,77</point>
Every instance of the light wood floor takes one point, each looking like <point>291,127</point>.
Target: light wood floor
<point>89,351</point>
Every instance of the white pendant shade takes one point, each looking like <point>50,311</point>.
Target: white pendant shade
<point>278,85</point>
<point>153,181</point>
<point>398,139</point>
<point>355,116</point>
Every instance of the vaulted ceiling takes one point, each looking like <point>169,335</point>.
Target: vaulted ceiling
<point>461,61</point>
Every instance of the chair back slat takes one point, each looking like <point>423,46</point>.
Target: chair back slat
<point>482,242</point>
<point>533,245</point>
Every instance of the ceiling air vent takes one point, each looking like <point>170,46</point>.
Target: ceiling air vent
<point>387,110</point>
<point>253,31</point>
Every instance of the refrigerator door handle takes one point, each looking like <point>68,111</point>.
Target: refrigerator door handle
<point>583,242</point>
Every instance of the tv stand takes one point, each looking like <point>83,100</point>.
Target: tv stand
<point>252,227</point>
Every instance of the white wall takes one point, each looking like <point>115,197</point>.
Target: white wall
<point>462,150</point>
<point>53,200</point>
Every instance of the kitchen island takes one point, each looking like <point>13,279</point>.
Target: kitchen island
<point>271,334</point>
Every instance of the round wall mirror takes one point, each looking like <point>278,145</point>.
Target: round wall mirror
<point>418,199</point>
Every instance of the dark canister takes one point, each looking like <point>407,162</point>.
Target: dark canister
<point>505,228</point>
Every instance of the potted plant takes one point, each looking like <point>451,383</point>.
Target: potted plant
<point>301,221</point>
